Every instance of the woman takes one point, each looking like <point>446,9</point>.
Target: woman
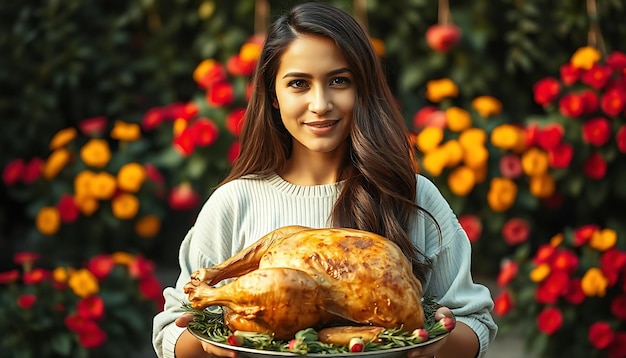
<point>324,145</point>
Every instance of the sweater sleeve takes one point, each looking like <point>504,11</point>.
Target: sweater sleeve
<point>450,282</point>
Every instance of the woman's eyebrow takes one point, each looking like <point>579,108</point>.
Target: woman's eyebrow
<point>307,75</point>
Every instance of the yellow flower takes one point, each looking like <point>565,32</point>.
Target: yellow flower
<point>250,51</point>
<point>148,226</point>
<point>506,136</point>
<point>179,126</point>
<point>122,258</point>
<point>429,138</point>
<point>594,283</point>
<point>126,131</point>
<point>56,162</point>
<point>502,194</point>
<point>435,161</point>
<point>475,157</point>
<point>60,275</point>
<point>102,186</point>
<point>82,182</point>
<point>62,137</point>
<point>48,220</point>
<point>131,176</point>
<point>125,206</point>
<point>472,137</point>
<point>83,283</point>
<point>540,273</point>
<point>438,90</point>
<point>556,240</point>
<point>378,45</point>
<point>535,162</point>
<point>542,185</point>
<point>603,240</point>
<point>454,151</point>
<point>202,68</point>
<point>458,119</point>
<point>86,203</point>
<point>585,57</point>
<point>461,181</point>
<point>487,106</point>
<point>96,153</point>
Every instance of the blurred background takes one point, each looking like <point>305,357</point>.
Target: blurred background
<point>118,119</point>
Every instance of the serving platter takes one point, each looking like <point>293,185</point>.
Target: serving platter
<point>396,352</point>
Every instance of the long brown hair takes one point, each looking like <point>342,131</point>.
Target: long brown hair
<point>380,189</point>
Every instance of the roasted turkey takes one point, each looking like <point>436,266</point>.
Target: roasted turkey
<point>297,277</point>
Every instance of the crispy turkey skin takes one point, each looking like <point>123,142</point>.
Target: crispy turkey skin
<point>297,277</point>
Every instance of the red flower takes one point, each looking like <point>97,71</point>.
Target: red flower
<point>239,67</point>
<point>153,118</point>
<point>620,138</point>
<point>583,233</point>
<point>613,260</point>
<point>184,110</point>
<point>151,288</point>
<point>617,348</point>
<point>569,74</point>
<point>472,226</point>
<point>90,308</point>
<point>183,197</point>
<point>612,102</point>
<point>91,335</point>
<point>101,265</point>
<point>597,131</point>
<point>503,303</point>
<point>13,171</point>
<point>140,267</point>
<point>74,322</point>
<point>515,231</point>
<point>93,127</point>
<point>565,260</point>
<point>554,286</point>
<point>25,258</point>
<point>595,166</point>
<point>571,105</point>
<point>213,75</point>
<point>561,156</point>
<point>429,116</point>
<point>32,171</point>
<point>546,90</point>
<point>233,151</point>
<point>511,166</point>
<point>442,37</point>
<point>153,174</point>
<point>600,334</point>
<point>597,76</point>
<point>590,101</point>
<point>234,121</point>
<point>221,94</point>
<point>9,276</point>
<point>575,293</point>
<point>544,254</point>
<point>35,276</point>
<point>549,320</point>
<point>26,301</point>
<point>508,271</point>
<point>185,142</point>
<point>205,132</point>
<point>616,60</point>
<point>618,307</point>
<point>68,209</point>
<point>550,136</point>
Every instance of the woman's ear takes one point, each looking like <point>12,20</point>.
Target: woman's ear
<point>275,104</point>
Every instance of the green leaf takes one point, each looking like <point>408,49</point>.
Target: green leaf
<point>62,344</point>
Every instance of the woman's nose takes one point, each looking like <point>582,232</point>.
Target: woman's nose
<point>320,101</point>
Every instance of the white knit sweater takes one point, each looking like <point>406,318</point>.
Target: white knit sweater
<point>244,210</point>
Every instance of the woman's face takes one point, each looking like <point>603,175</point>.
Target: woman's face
<point>315,94</point>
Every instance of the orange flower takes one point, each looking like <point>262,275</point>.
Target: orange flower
<point>179,126</point>
<point>378,45</point>
<point>472,137</point>
<point>126,131</point>
<point>454,151</point>
<point>487,106</point>
<point>540,272</point>
<point>148,226</point>
<point>102,186</point>
<point>435,161</point>
<point>556,240</point>
<point>250,51</point>
<point>585,57</point>
<point>542,185</point>
<point>122,258</point>
<point>438,90</point>
<point>60,275</point>
<point>429,138</point>
<point>603,240</point>
<point>55,163</point>
<point>96,153</point>
<point>506,136</point>
<point>458,119</point>
<point>535,162</point>
<point>131,176</point>
<point>502,194</point>
<point>461,181</point>
<point>594,283</point>
<point>62,137</point>
<point>48,220</point>
<point>86,203</point>
<point>125,206</point>
<point>83,283</point>
<point>82,182</point>
<point>475,157</point>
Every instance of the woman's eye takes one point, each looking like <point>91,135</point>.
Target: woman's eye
<point>340,81</point>
<point>297,84</point>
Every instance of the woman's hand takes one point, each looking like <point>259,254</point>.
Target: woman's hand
<point>431,350</point>
<point>189,346</point>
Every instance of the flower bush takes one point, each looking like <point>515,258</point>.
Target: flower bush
<point>101,309</point>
